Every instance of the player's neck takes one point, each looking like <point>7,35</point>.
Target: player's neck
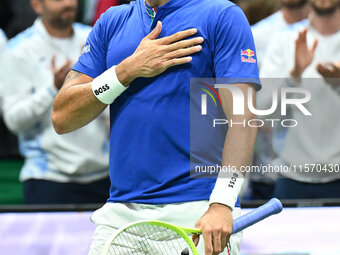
<point>58,32</point>
<point>326,24</point>
<point>295,15</point>
<point>155,3</point>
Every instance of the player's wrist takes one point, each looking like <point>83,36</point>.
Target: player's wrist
<point>220,207</point>
<point>107,87</point>
<point>227,189</point>
<point>126,72</point>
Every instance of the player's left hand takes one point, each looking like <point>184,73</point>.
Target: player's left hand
<point>216,226</point>
<point>331,73</point>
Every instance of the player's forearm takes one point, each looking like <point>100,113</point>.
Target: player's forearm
<point>240,140</point>
<point>238,147</point>
<point>74,107</point>
<point>237,152</point>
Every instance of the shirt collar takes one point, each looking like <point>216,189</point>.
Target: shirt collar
<point>171,4</point>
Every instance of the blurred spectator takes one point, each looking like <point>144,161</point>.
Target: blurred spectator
<point>89,11</point>
<point>3,41</point>
<point>257,10</point>
<point>292,11</point>
<point>309,49</point>
<point>103,5</point>
<point>8,142</point>
<point>57,169</point>
<point>19,16</point>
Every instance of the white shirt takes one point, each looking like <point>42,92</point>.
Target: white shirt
<point>264,30</point>
<point>316,139</point>
<point>81,156</point>
<point>3,40</point>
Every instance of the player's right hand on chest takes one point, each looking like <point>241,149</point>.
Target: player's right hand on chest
<point>154,56</point>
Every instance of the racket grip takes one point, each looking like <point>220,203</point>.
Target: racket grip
<point>273,206</point>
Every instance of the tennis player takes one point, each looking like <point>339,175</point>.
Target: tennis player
<point>139,60</point>
<point>58,169</point>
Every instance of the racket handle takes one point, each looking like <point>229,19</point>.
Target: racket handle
<point>273,206</point>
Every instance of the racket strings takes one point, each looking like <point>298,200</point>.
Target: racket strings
<point>148,240</point>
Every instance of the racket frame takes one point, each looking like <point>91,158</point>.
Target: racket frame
<point>183,232</point>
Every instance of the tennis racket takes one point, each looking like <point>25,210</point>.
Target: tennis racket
<point>161,238</point>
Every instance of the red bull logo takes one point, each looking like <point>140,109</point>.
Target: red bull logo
<point>249,56</point>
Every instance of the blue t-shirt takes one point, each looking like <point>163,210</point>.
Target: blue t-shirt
<point>150,121</point>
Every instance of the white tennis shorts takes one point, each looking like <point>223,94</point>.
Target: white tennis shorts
<point>112,216</point>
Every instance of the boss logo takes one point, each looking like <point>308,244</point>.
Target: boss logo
<point>233,180</point>
<point>102,89</point>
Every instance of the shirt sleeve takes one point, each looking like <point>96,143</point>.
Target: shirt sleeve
<point>234,54</point>
<point>92,61</point>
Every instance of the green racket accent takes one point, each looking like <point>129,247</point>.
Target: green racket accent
<point>183,232</point>
<point>189,230</point>
<point>210,95</point>
<point>111,248</point>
